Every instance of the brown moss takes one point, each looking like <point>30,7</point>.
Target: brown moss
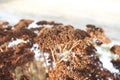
<point>49,37</point>
<point>97,33</point>
<point>116,64</point>
<point>15,56</point>
<point>81,62</point>
<point>47,23</point>
<point>80,67</point>
<point>116,49</point>
<point>71,51</point>
<point>22,24</point>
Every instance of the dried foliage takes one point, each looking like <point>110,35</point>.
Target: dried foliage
<point>15,56</point>
<point>80,67</point>
<point>72,55</point>
<point>116,63</point>
<point>97,33</point>
<point>116,49</point>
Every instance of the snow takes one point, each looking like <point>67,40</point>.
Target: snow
<point>16,42</point>
<point>33,25</point>
<point>106,56</point>
<point>39,53</point>
<point>36,51</point>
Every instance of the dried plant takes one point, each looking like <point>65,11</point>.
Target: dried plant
<point>72,55</point>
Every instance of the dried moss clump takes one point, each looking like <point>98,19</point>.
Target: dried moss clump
<point>80,67</point>
<point>15,56</point>
<point>72,53</point>
<point>116,49</point>
<point>97,33</point>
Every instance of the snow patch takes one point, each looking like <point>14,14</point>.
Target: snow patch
<point>16,42</point>
<point>106,56</point>
<point>39,53</point>
<point>33,25</point>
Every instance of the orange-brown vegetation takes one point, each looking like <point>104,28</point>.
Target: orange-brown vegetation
<point>72,53</point>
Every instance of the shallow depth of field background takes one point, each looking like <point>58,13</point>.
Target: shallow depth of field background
<point>103,13</point>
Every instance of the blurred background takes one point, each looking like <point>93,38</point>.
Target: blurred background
<point>102,13</point>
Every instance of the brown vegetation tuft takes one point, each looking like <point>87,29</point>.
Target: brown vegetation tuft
<point>72,55</point>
